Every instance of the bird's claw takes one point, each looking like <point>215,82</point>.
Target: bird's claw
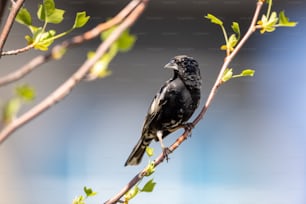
<point>166,152</point>
<point>188,127</point>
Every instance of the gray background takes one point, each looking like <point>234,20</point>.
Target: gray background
<point>249,148</point>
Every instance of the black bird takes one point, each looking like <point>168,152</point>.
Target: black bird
<point>172,106</point>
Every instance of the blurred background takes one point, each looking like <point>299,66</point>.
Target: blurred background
<point>249,147</point>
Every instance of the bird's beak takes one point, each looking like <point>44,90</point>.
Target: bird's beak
<point>171,65</point>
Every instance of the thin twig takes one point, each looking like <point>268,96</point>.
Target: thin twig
<point>211,96</point>
<point>9,22</point>
<point>67,86</point>
<point>26,69</point>
<point>18,51</point>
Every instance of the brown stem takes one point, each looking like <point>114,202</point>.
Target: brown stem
<point>9,22</point>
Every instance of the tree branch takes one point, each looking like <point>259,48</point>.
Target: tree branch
<point>26,69</point>
<point>67,86</point>
<point>9,22</point>
<point>211,96</point>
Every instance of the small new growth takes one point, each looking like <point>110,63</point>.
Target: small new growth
<point>42,38</point>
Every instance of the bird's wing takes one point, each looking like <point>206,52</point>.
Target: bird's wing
<point>159,100</point>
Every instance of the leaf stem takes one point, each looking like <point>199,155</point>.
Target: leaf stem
<point>226,40</point>
<point>269,8</point>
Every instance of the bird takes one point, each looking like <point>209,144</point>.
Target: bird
<point>172,106</point>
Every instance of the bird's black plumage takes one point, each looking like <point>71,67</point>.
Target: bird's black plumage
<point>172,106</point>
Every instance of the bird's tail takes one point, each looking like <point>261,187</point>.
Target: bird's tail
<point>138,152</point>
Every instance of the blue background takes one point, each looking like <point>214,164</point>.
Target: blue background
<point>249,148</point>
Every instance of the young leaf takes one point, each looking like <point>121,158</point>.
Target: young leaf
<point>214,19</point>
<point>24,17</point>
<point>131,193</point>
<point>89,192</point>
<point>236,29</point>
<point>80,19</point>
<point>149,151</point>
<point>248,72</point>
<point>48,13</point>
<point>232,42</point>
<point>126,41</point>
<point>284,20</point>
<point>227,75</point>
<point>10,110</point>
<point>25,92</point>
<point>244,73</point>
<point>42,41</point>
<point>149,186</point>
<point>79,200</point>
<point>100,68</point>
<point>49,6</point>
<point>150,169</point>
<point>268,24</point>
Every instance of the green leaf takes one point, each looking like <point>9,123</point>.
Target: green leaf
<point>25,92</point>
<point>29,39</point>
<point>24,17</point>
<point>149,186</point>
<point>150,169</point>
<point>10,110</point>
<point>89,192</point>
<point>268,24</point>
<point>248,72</point>
<point>49,7</point>
<point>149,151</point>
<point>56,17</point>
<point>100,68</point>
<point>79,200</point>
<point>80,19</point>
<point>42,40</point>
<point>34,29</point>
<point>232,42</point>
<point>284,20</point>
<point>214,19</point>
<point>48,13</point>
<point>131,193</point>
<point>126,41</point>
<point>244,73</point>
<point>236,29</point>
<point>227,75</point>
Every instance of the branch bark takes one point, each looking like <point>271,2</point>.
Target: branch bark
<point>209,100</point>
<point>66,87</point>
<point>9,22</point>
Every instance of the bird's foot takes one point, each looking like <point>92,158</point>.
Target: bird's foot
<point>188,127</point>
<point>166,152</point>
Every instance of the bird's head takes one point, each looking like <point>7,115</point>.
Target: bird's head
<point>187,69</point>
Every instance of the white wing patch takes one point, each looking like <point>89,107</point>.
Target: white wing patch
<point>158,100</point>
